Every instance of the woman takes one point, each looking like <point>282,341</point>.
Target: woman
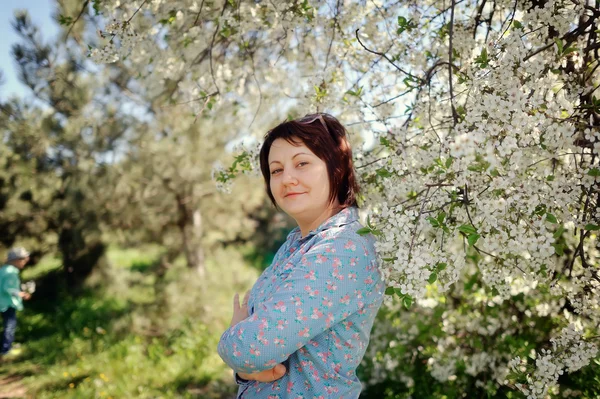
<point>11,297</point>
<point>311,311</point>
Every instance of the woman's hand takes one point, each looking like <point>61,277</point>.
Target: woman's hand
<point>240,312</point>
<point>25,295</point>
<point>265,376</point>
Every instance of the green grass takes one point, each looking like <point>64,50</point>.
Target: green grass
<point>136,334</point>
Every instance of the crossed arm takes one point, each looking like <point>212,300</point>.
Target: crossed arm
<point>323,289</point>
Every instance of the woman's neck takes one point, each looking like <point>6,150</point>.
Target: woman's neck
<point>311,223</point>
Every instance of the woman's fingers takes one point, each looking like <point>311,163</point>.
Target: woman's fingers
<point>245,300</point>
<point>266,376</point>
<point>236,301</point>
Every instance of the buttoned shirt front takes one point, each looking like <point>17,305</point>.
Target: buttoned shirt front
<point>312,309</point>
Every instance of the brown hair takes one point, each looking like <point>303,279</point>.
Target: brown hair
<point>325,136</point>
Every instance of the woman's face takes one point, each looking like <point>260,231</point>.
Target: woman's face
<point>299,180</point>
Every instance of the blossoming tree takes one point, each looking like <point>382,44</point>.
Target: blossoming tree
<point>483,185</point>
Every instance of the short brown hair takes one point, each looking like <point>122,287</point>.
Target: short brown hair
<point>327,138</point>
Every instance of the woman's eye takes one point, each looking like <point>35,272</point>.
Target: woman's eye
<point>303,163</point>
<point>275,171</point>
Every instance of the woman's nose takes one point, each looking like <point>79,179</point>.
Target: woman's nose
<point>289,178</point>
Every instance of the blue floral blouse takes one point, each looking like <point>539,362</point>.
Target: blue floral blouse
<point>312,309</point>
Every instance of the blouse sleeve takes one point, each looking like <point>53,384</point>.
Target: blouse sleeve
<point>12,285</point>
<point>334,279</point>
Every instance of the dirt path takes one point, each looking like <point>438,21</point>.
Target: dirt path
<point>11,387</point>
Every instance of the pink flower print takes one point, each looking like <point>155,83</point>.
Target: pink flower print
<point>330,250</point>
<point>319,397</point>
<point>261,338</point>
<point>290,385</point>
<point>352,276</point>
<point>337,367</point>
<point>281,324</point>
<point>240,333</point>
<point>305,332</point>
<point>345,299</point>
<point>310,292</point>
<point>292,250</point>
<point>336,274</point>
<point>313,343</point>
<point>366,252</point>
<point>347,324</point>
<point>336,263</point>
<point>321,258</point>
<point>271,363</point>
<point>316,314</point>
<point>263,324</point>
<point>254,351</point>
<point>330,390</point>
<point>280,306</point>
<point>327,302</point>
<point>331,286</point>
<point>324,356</point>
<point>310,276</point>
<point>348,357</point>
<point>329,320</point>
<point>236,352</point>
<point>369,280</point>
<point>299,316</point>
<point>353,261</point>
<point>350,245</point>
<point>288,266</point>
<point>297,300</point>
<point>348,343</point>
<point>273,397</point>
<point>316,376</point>
<point>358,294</point>
<point>279,342</point>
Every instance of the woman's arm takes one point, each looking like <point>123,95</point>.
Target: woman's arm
<point>12,285</point>
<point>333,280</point>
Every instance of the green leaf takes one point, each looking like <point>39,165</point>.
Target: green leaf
<point>363,231</point>
<point>551,218</point>
<point>389,291</point>
<point>432,278</point>
<point>472,239</point>
<point>383,172</point>
<point>559,232</point>
<point>389,259</point>
<point>434,222</point>
<point>441,266</point>
<point>559,249</point>
<point>448,162</point>
<point>467,229</point>
<point>482,58</point>
<point>517,24</point>
<point>559,44</point>
<point>594,172</point>
<point>591,227</point>
<point>441,217</point>
<point>407,301</point>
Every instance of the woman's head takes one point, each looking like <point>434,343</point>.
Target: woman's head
<point>307,165</point>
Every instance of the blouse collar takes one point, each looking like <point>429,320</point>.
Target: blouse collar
<point>343,217</point>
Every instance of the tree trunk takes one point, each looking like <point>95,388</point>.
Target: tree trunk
<point>190,225</point>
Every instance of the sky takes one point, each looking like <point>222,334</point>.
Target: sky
<point>41,14</point>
